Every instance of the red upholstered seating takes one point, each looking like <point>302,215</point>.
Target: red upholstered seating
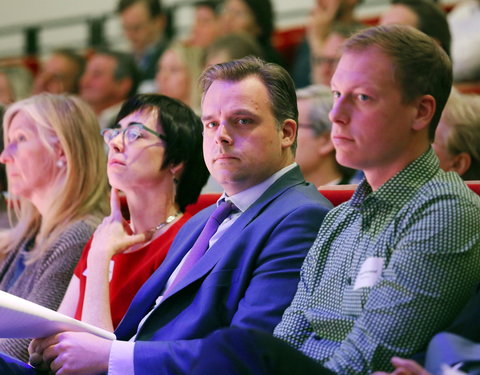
<point>341,193</point>
<point>335,193</point>
<point>204,200</point>
<point>474,185</point>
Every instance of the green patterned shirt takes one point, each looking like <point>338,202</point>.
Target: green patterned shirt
<point>387,271</point>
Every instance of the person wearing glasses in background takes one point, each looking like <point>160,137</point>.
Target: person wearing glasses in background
<point>155,159</point>
<point>324,59</point>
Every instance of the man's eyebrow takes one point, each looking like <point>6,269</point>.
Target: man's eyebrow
<point>243,111</point>
<point>236,112</point>
<point>206,118</point>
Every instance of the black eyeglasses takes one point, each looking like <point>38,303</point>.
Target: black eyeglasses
<point>132,132</point>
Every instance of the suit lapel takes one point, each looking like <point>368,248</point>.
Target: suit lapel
<point>214,254</point>
<point>149,292</point>
<point>145,298</point>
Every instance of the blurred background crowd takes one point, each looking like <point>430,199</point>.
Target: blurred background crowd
<point>164,47</point>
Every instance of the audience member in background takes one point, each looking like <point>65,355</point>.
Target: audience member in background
<point>457,138</point>
<point>250,271</point>
<point>464,20</point>
<point>7,95</point>
<point>254,17</point>
<point>155,158</point>
<point>315,152</point>
<point>178,71</point>
<point>206,23</point>
<point>323,16</point>
<point>145,24</point>
<point>15,83</point>
<point>325,58</point>
<point>109,79</point>
<point>232,47</point>
<point>424,15</point>
<point>57,186</point>
<point>60,73</point>
<point>398,262</point>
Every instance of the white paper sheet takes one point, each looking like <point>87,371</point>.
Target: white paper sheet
<point>20,318</point>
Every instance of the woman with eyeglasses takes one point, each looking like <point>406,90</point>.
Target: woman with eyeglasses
<point>58,189</point>
<point>155,159</point>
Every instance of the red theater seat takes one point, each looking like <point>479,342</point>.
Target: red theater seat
<point>474,185</point>
<point>204,200</point>
<point>336,194</point>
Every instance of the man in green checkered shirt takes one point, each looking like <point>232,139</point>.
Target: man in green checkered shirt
<point>396,263</point>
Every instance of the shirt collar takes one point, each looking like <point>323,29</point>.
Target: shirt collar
<point>403,185</point>
<point>244,199</point>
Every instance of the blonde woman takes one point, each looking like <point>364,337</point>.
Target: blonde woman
<point>178,70</point>
<point>57,187</point>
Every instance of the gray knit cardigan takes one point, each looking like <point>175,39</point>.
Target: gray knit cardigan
<point>45,281</point>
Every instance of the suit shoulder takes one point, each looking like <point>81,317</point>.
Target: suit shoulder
<point>305,194</point>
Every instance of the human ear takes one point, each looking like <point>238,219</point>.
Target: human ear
<point>60,158</point>
<point>425,110</point>
<point>289,133</point>
<point>176,171</point>
<point>461,163</point>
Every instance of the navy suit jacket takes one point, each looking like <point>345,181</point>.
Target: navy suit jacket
<point>246,279</point>
<point>460,342</point>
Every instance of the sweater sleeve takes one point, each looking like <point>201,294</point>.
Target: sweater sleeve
<point>45,281</point>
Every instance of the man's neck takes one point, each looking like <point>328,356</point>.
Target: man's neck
<point>244,198</point>
<point>376,177</point>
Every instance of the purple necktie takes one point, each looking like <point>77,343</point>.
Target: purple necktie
<point>201,244</point>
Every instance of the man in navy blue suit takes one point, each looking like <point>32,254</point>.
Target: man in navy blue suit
<point>250,272</point>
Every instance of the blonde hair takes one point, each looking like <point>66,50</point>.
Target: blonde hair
<point>82,193</point>
<point>192,57</point>
<point>462,117</point>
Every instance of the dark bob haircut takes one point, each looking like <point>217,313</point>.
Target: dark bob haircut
<point>183,131</point>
